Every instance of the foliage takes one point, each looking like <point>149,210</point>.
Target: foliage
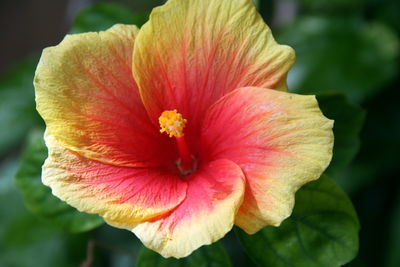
<point>17,104</point>
<point>338,53</point>
<point>38,197</point>
<point>207,256</point>
<point>322,231</point>
<point>24,238</point>
<point>349,120</point>
<point>103,16</point>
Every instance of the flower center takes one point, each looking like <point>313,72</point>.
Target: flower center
<point>173,123</point>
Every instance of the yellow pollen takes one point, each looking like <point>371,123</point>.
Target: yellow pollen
<point>172,123</point>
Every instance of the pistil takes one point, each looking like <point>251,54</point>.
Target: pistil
<point>172,123</point>
<point>186,162</point>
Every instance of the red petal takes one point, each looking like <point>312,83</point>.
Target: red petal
<point>191,53</point>
<point>280,141</point>
<point>87,96</point>
<point>214,194</point>
<point>120,194</point>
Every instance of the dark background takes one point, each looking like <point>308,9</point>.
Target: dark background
<point>29,26</point>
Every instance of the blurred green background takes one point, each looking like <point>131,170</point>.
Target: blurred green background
<point>347,54</point>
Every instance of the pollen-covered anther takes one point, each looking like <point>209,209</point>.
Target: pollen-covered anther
<point>172,123</point>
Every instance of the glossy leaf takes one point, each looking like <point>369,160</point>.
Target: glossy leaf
<point>17,104</point>
<point>39,198</point>
<point>322,231</point>
<point>24,239</point>
<point>349,119</point>
<point>341,54</point>
<point>257,3</point>
<point>102,16</point>
<point>207,256</point>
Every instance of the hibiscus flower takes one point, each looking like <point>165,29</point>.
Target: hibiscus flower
<point>181,129</point>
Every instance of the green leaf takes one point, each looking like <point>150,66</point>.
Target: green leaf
<point>322,231</point>
<point>207,256</point>
<point>27,241</point>
<point>102,16</point>
<point>257,3</point>
<point>341,54</point>
<point>39,198</point>
<point>17,104</point>
<point>349,119</point>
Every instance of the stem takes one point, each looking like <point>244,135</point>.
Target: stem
<point>89,255</point>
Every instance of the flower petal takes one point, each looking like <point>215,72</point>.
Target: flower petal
<point>213,197</point>
<point>280,140</point>
<point>86,94</point>
<point>121,194</point>
<point>192,52</point>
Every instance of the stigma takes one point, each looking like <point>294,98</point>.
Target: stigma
<point>172,123</point>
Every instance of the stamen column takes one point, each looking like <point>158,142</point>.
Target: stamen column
<point>172,123</point>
